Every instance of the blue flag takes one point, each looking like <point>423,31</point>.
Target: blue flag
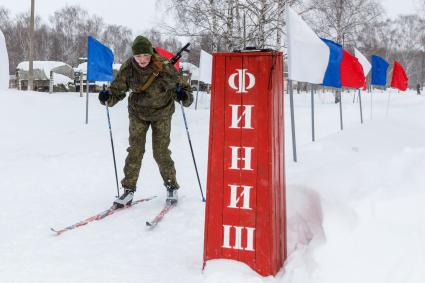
<point>333,71</point>
<point>379,71</point>
<point>99,61</point>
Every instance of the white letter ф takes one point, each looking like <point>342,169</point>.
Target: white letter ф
<point>241,88</point>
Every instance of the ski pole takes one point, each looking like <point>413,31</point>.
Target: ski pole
<point>191,150</point>
<point>112,144</point>
<point>173,61</point>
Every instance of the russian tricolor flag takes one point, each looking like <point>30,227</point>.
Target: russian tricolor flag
<point>319,61</point>
<point>343,69</point>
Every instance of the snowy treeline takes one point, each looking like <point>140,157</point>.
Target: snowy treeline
<point>401,39</point>
<point>223,25</point>
<point>64,36</point>
<point>233,24</point>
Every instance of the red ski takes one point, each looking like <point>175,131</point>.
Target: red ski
<point>100,216</point>
<point>168,206</point>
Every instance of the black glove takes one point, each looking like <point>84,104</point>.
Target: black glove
<point>103,96</point>
<point>181,94</point>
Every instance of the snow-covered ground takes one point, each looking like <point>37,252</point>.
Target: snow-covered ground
<point>355,197</point>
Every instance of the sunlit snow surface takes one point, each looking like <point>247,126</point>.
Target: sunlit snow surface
<point>355,199</point>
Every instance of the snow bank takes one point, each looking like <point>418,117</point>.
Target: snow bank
<point>4,64</point>
<point>61,79</point>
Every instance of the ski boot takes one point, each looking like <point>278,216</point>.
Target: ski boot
<point>125,199</point>
<point>172,196</point>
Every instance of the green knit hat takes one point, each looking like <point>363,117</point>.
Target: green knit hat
<point>142,45</point>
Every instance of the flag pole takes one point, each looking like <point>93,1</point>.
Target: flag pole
<point>87,98</point>
<point>312,113</point>
<point>340,110</point>
<point>197,92</point>
<point>388,103</point>
<point>361,109</point>
<point>371,102</point>
<point>291,91</point>
<point>197,87</point>
<point>291,101</point>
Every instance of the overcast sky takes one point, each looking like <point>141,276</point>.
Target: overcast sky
<point>135,14</point>
<point>397,7</point>
<point>141,14</point>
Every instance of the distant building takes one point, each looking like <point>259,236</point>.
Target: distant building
<point>12,81</point>
<point>61,73</point>
<point>192,72</point>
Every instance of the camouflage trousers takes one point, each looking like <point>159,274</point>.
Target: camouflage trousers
<point>160,141</point>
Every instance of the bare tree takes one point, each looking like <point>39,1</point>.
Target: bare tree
<point>4,18</point>
<point>6,27</point>
<point>157,38</point>
<point>196,17</point>
<point>18,44</point>
<point>119,39</point>
<point>67,24</point>
<point>232,24</point>
<point>401,39</point>
<point>64,38</point>
<point>341,20</point>
<point>408,46</point>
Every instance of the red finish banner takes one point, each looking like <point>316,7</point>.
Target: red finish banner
<point>245,214</point>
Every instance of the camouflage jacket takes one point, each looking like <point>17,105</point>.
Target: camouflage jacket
<point>157,101</point>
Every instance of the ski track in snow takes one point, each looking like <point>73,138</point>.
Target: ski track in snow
<point>354,200</point>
